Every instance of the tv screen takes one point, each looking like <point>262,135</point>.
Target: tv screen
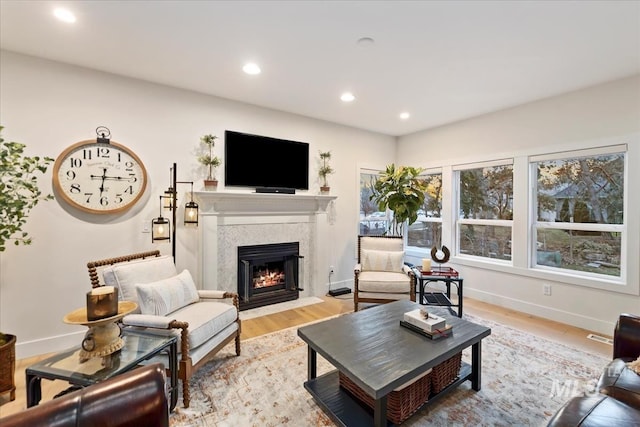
<point>261,161</point>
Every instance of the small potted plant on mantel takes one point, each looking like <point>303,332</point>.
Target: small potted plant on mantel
<point>210,161</point>
<point>325,170</point>
<point>19,193</point>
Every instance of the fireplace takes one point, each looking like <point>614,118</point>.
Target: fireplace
<point>268,274</point>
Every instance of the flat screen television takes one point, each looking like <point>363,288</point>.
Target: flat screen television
<point>265,162</point>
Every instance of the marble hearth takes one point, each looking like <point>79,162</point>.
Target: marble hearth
<point>229,220</point>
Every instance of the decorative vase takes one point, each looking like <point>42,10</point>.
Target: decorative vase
<point>210,184</point>
<point>325,189</point>
<point>8,366</point>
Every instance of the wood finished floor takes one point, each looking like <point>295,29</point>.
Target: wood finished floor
<point>252,328</point>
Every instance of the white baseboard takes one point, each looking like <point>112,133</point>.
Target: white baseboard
<point>47,345</point>
<point>573,319</point>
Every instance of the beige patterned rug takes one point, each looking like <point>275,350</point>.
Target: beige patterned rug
<point>525,379</point>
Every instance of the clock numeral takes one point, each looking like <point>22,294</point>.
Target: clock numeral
<point>129,190</point>
<point>75,188</point>
<point>128,166</point>
<point>132,177</point>
<point>86,154</point>
<point>103,152</point>
<point>71,175</point>
<point>88,199</point>
<point>75,163</point>
<point>104,201</point>
<point>119,198</point>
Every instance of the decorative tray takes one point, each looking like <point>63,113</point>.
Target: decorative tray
<point>439,271</point>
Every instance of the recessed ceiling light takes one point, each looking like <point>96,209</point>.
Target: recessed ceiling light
<point>404,115</point>
<point>64,15</point>
<point>365,42</point>
<point>347,97</point>
<point>251,68</point>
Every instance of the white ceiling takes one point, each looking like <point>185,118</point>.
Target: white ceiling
<point>442,61</point>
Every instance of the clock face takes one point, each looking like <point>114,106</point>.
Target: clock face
<point>99,177</point>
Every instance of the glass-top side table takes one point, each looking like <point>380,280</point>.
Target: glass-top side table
<point>66,365</point>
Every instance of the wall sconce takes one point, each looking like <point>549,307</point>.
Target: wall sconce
<point>169,201</point>
<point>160,227</point>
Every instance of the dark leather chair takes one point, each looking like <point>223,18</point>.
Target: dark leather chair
<point>617,398</point>
<point>134,399</point>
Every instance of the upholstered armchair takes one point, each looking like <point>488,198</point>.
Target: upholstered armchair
<point>380,276</point>
<point>170,304</point>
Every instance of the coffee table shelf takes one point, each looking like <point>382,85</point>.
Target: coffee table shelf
<point>346,410</point>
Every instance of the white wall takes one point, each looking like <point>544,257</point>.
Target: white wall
<point>602,115</point>
<point>49,106</point>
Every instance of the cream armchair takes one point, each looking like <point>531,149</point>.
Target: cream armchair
<point>380,274</point>
<point>170,304</point>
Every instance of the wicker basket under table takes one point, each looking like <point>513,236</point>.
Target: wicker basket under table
<point>445,373</point>
<point>401,404</point>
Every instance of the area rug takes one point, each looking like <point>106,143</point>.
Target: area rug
<point>525,379</point>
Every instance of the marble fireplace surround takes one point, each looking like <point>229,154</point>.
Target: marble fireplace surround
<point>230,219</point>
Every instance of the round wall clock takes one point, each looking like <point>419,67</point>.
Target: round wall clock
<point>99,176</point>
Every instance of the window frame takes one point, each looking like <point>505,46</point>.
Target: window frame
<point>457,221</point>
<point>534,224</point>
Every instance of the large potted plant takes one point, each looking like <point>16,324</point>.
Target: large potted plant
<point>210,161</point>
<point>325,170</point>
<point>19,193</point>
<point>401,190</point>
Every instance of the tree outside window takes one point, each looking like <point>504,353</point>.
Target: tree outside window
<point>426,232</point>
<point>579,204</point>
<point>372,222</point>
<point>485,215</point>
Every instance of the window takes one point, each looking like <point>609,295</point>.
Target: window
<point>372,221</point>
<point>485,210</point>
<point>579,205</point>
<point>426,232</point>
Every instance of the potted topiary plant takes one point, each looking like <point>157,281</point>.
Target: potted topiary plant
<point>210,161</point>
<point>400,190</point>
<point>19,193</point>
<point>325,170</point>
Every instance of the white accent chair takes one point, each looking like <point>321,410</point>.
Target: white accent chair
<point>169,303</point>
<point>380,276</point>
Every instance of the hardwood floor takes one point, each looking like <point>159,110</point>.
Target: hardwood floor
<point>252,328</point>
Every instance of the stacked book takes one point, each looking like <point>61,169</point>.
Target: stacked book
<point>427,324</point>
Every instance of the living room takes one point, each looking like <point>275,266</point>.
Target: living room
<point>50,105</point>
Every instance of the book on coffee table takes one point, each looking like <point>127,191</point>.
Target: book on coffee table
<point>434,335</point>
<point>424,320</point>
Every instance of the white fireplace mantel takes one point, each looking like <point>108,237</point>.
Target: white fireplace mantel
<point>232,219</point>
<point>236,203</point>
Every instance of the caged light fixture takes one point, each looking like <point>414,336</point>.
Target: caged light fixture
<point>161,228</point>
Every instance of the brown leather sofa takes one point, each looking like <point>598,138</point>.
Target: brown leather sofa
<point>134,399</point>
<point>617,398</point>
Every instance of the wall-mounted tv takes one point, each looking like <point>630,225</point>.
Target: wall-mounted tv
<point>265,162</point>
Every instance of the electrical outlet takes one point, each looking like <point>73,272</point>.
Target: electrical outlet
<point>546,289</point>
<point>331,269</point>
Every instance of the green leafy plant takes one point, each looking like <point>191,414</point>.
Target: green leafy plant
<point>208,159</point>
<point>400,190</point>
<point>19,192</point>
<point>325,169</point>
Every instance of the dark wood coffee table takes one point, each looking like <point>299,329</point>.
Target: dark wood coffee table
<point>379,355</point>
